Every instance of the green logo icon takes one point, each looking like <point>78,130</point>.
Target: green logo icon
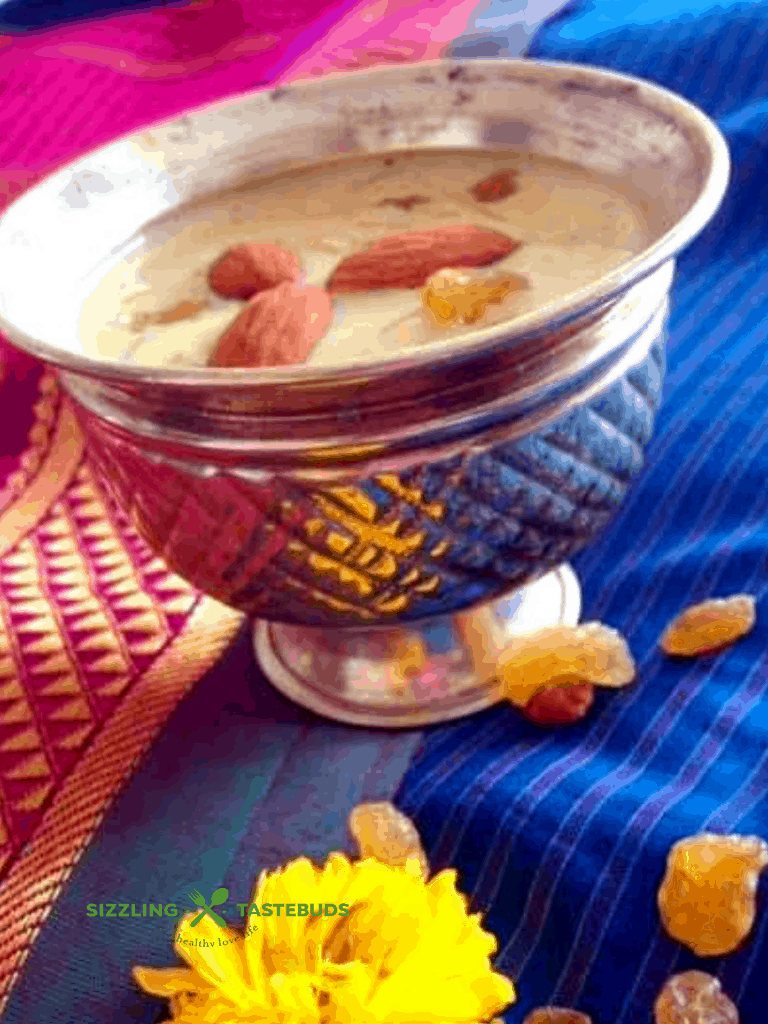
<point>220,896</point>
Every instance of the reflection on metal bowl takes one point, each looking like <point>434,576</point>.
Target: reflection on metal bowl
<point>397,494</point>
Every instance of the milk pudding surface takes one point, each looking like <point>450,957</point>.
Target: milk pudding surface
<point>570,227</point>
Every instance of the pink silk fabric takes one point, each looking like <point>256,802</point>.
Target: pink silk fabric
<point>71,89</point>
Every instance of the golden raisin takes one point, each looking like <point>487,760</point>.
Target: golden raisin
<point>564,656</point>
<point>707,896</point>
<point>556,1015</point>
<point>381,831</point>
<point>709,626</point>
<point>463,296</point>
<point>694,998</point>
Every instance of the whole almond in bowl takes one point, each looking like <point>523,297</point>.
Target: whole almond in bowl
<point>365,232</point>
<point>280,327</point>
<point>410,259</point>
<point>246,270</point>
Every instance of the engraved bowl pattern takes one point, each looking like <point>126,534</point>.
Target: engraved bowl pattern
<point>433,539</point>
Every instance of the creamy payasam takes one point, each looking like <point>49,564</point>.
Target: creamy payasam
<point>158,308</point>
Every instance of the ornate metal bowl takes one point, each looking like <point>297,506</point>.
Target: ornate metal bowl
<point>375,516</point>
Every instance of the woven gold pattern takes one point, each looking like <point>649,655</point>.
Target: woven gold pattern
<point>99,641</point>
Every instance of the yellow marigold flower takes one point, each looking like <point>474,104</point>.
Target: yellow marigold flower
<point>406,953</point>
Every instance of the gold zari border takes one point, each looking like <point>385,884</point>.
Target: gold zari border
<point>81,804</point>
<point>53,478</point>
<point>40,871</point>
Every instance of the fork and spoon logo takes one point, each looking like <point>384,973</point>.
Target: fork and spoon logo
<point>220,896</point>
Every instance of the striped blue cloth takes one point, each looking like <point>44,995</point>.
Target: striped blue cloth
<point>562,836</point>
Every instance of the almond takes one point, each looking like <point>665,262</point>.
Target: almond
<point>495,187</point>
<point>409,260</point>
<point>280,327</point>
<point>246,270</point>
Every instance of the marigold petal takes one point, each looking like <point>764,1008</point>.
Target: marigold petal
<point>374,881</point>
<point>284,946</point>
<point>166,981</point>
<point>347,999</point>
<point>445,882</point>
<point>476,943</point>
<point>217,956</point>
<point>302,871</point>
<point>411,997</point>
<point>284,938</point>
<point>300,875</point>
<point>369,883</point>
<point>337,871</point>
<point>389,913</point>
<point>208,1007</point>
<point>258,889</point>
<point>413,866</point>
<point>294,995</point>
<point>256,971</point>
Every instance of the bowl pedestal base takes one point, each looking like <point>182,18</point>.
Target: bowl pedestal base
<point>402,677</point>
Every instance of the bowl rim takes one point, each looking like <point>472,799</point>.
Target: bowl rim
<point>540,322</point>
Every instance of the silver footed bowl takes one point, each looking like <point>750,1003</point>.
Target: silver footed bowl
<point>374,517</point>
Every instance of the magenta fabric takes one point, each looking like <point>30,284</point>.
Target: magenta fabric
<point>70,90</point>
